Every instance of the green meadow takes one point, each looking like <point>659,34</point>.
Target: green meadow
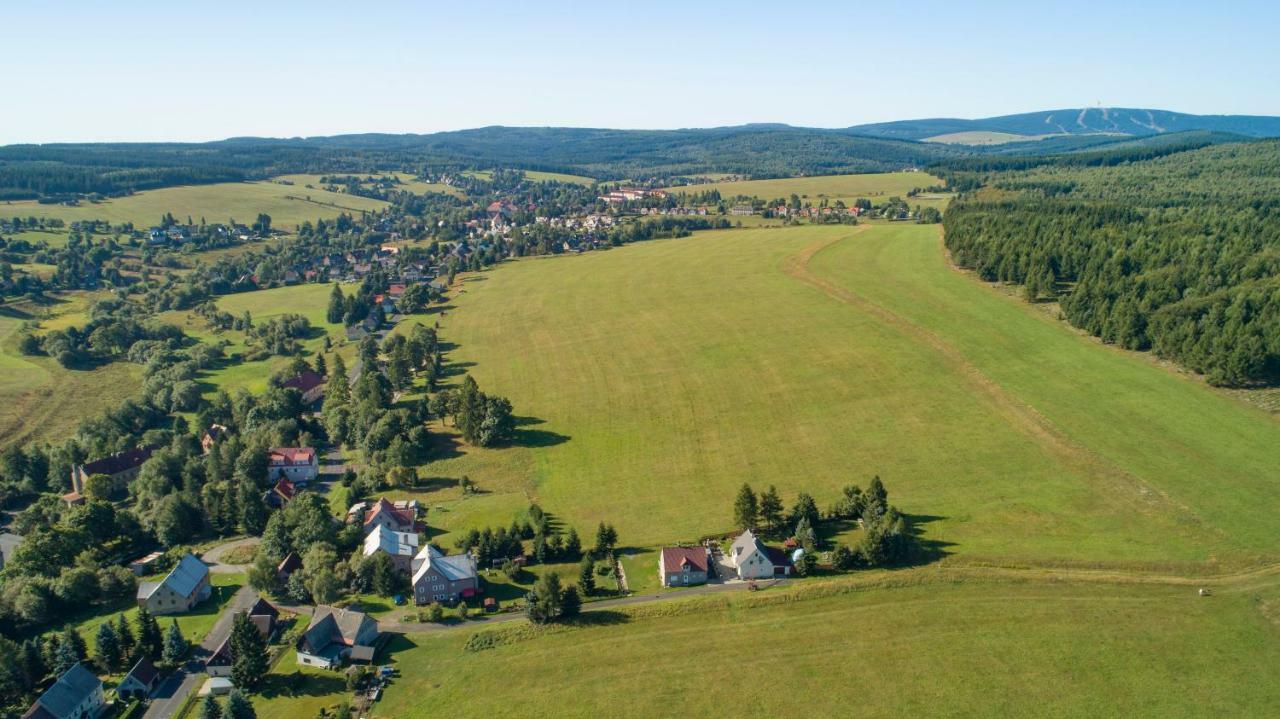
<point>42,400</point>
<point>937,648</point>
<point>658,377</point>
<point>288,205</point>
<point>876,187</point>
<point>538,176</point>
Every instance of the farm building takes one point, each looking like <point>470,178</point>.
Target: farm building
<point>400,546</point>
<point>309,384</point>
<point>76,695</point>
<point>185,586</point>
<point>297,464</point>
<point>335,635</point>
<point>440,578</point>
<point>121,467</point>
<point>683,566</point>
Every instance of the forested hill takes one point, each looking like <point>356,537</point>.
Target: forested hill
<point>28,171</point>
<point>1178,253</point>
<point>1079,121</point>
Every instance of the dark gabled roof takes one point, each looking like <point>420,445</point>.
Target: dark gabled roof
<point>303,382</point>
<point>674,557</point>
<point>263,608</point>
<point>70,691</point>
<point>291,563</point>
<point>144,671</point>
<point>119,462</point>
<point>221,656</point>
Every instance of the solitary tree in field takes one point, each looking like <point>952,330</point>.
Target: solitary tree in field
<point>745,508</point>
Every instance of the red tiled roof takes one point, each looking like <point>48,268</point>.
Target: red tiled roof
<point>304,382</point>
<point>404,516</point>
<point>674,557</point>
<point>286,489</point>
<point>291,455</point>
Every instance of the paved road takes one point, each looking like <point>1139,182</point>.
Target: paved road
<point>173,693</point>
<point>214,556</point>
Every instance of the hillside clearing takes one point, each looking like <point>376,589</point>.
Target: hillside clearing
<point>877,187</point>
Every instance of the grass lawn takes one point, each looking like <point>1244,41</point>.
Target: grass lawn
<point>292,690</point>
<point>876,187</point>
<point>538,176</point>
<point>659,377</point>
<point>407,182</point>
<point>40,399</point>
<point>309,300</point>
<point>972,648</point>
<point>288,205</point>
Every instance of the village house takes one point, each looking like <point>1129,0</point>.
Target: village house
<point>440,578</point>
<point>211,436</point>
<point>742,210</point>
<point>281,494</point>
<point>140,682</point>
<point>309,384</point>
<point>185,586</point>
<point>385,514</point>
<point>76,695</point>
<point>335,635</point>
<point>400,546</point>
<point>143,565</point>
<point>287,566</point>
<point>264,617</point>
<point>753,560</point>
<point>683,566</point>
<point>121,467</point>
<point>297,464</point>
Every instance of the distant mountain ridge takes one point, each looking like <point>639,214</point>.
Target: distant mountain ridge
<point>1136,122</point>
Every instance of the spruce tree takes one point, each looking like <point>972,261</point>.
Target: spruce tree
<point>337,305</point>
<point>771,509</point>
<point>125,634</point>
<point>150,641</point>
<point>107,649</point>
<point>587,576</point>
<point>238,707</point>
<point>175,645</point>
<point>248,653</point>
<point>745,508</point>
<point>209,708</point>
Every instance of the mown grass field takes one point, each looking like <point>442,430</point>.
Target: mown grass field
<point>407,180</point>
<point>308,300</point>
<point>288,205</point>
<point>657,378</point>
<point>876,187</point>
<point>939,649</point>
<point>40,399</point>
<point>538,176</point>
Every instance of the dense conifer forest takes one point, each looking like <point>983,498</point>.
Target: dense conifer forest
<point>1178,253</point>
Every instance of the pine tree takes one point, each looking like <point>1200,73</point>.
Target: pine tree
<point>319,364</point>
<point>771,509</point>
<point>150,641</point>
<point>745,508</point>
<point>570,603</point>
<point>71,637</point>
<point>572,545</point>
<point>127,643</point>
<point>587,576</point>
<point>248,653</point>
<point>338,389</point>
<point>107,648</point>
<point>337,306</point>
<point>33,664</point>
<point>238,707</point>
<point>175,645</point>
<point>64,657</point>
<point>209,708</point>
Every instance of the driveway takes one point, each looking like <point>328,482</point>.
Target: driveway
<point>173,693</point>
<point>214,556</point>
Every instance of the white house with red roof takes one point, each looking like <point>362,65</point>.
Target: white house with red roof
<point>385,514</point>
<point>296,464</point>
<point>309,384</point>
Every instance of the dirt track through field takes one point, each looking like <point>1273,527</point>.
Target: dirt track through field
<point>1035,426</point>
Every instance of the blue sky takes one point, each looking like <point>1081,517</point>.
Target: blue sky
<point>146,70</point>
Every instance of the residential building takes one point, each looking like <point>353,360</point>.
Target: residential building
<point>385,514</point>
<point>121,467</point>
<point>211,436</point>
<point>76,695</point>
<point>185,586</point>
<point>309,384</point>
<point>335,635</point>
<point>440,578</point>
<point>290,564</point>
<point>400,546</point>
<point>140,682</point>
<point>753,560</point>
<point>297,464</point>
<point>683,566</point>
<point>282,493</point>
